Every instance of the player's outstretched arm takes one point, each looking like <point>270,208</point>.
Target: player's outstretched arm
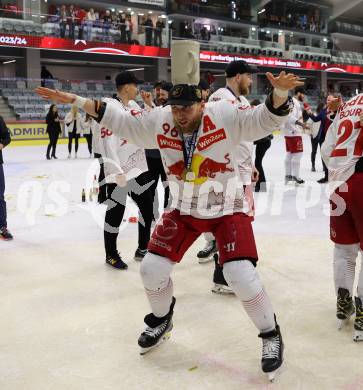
<point>282,84</point>
<point>137,128</point>
<point>60,97</point>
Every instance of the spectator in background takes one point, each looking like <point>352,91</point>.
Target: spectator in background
<point>45,75</point>
<point>156,93</point>
<point>123,29</point>
<point>63,21</point>
<point>53,130</point>
<point>204,85</point>
<point>81,16</point>
<point>71,21</point>
<point>73,122</point>
<point>158,33</point>
<point>325,119</point>
<point>87,133</point>
<point>4,141</point>
<point>314,136</point>
<point>128,29</point>
<point>106,25</point>
<point>90,19</point>
<point>149,26</point>
<point>262,146</point>
<point>165,88</point>
<point>205,34</point>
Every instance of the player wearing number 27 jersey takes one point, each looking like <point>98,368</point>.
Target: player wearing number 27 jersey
<point>343,154</point>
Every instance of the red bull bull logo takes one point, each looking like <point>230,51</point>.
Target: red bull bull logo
<point>209,167</point>
<point>203,169</point>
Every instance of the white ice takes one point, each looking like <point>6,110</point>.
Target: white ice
<point>69,322</point>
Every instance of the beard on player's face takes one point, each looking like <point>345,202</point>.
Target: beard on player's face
<point>244,84</point>
<point>187,118</point>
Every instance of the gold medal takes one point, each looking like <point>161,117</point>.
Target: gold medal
<point>190,176</point>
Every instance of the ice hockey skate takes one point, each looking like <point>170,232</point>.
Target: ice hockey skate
<point>345,307</point>
<point>158,330</point>
<point>272,353</point>
<point>288,178</point>
<point>358,322</point>
<point>297,181</point>
<point>206,255</point>
<point>220,285</point>
<point>222,289</point>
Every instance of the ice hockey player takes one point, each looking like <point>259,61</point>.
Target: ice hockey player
<point>198,145</point>
<point>342,152</point>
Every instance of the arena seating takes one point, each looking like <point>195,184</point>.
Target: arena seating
<point>29,106</point>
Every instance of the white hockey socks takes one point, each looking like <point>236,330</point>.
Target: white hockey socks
<point>155,274</point>
<point>288,170</point>
<point>295,164</point>
<point>243,279</point>
<point>344,266</point>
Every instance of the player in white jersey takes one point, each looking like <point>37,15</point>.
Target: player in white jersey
<point>125,169</point>
<point>198,145</point>
<point>342,152</point>
<point>293,139</point>
<point>238,83</point>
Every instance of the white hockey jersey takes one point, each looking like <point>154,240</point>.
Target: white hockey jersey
<point>343,145</point>
<point>245,149</point>
<point>214,189</point>
<point>119,155</point>
<point>291,129</point>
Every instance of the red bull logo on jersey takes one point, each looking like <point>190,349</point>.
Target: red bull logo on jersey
<point>209,168</point>
<point>203,168</point>
<point>177,170</point>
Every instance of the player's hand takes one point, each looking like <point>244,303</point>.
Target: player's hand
<point>147,98</point>
<point>55,95</point>
<point>255,175</point>
<point>334,104</point>
<point>361,118</point>
<point>284,81</point>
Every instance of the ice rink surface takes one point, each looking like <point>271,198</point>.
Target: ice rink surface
<point>68,322</point>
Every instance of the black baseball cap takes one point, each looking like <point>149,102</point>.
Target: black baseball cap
<point>299,90</point>
<point>203,84</point>
<point>166,86</point>
<point>127,77</point>
<point>239,67</point>
<point>185,95</point>
<point>157,84</point>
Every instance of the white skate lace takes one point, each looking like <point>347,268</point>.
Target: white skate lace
<point>155,332</point>
<point>271,348</point>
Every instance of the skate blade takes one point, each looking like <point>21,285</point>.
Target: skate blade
<point>358,335</point>
<point>222,291</point>
<point>273,375</point>
<point>205,260</point>
<point>144,351</point>
<point>342,323</point>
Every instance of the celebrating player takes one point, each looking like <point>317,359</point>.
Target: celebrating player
<point>342,152</point>
<point>198,145</point>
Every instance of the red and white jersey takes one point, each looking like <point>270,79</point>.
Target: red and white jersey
<point>211,188</point>
<point>120,156</point>
<point>291,129</point>
<point>245,149</point>
<point>343,145</point>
